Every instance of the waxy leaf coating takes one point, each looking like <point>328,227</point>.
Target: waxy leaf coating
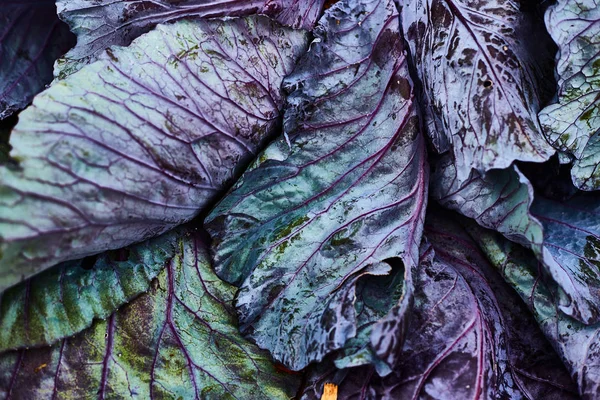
<point>31,39</point>
<point>141,140</point>
<point>118,22</point>
<point>478,71</point>
<point>572,124</point>
<point>64,300</point>
<point>343,191</point>
<point>469,337</point>
<point>575,343</point>
<point>179,340</point>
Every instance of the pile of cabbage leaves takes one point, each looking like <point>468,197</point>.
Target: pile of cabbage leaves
<point>249,199</point>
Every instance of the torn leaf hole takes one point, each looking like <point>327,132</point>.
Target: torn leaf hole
<point>394,262</point>
<point>487,84</point>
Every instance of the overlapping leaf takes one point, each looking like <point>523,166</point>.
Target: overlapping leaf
<point>374,297</point>
<point>180,340</point>
<point>586,171</point>
<point>573,122</point>
<point>498,200</point>
<point>572,237</point>
<point>480,79</point>
<point>31,39</point>
<point>562,234</point>
<point>322,232</point>
<point>141,140</point>
<point>342,192</point>
<point>118,22</point>
<point>576,343</point>
<point>64,300</point>
<point>470,336</point>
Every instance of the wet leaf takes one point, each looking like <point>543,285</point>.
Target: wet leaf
<point>344,190</point>
<point>118,22</point>
<point>65,300</point>
<point>179,340</point>
<point>575,342</point>
<point>141,140</point>
<point>470,336</point>
<point>572,123</point>
<point>481,77</point>
<point>562,234</point>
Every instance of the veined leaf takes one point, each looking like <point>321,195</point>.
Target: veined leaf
<point>586,172</point>
<point>480,79</point>
<point>343,191</point>
<point>180,340</point>
<point>499,200</point>
<point>572,238</point>
<point>118,22</point>
<point>64,300</point>
<point>575,342</point>
<point>31,39</point>
<point>141,140</point>
<point>563,235</point>
<point>573,122</point>
<point>469,337</point>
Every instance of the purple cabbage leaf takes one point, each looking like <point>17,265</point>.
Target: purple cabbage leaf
<point>469,335</point>
<point>572,237</point>
<point>234,199</point>
<point>119,22</point>
<point>481,79</point>
<point>339,197</point>
<point>374,295</point>
<point>141,140</point>
<point>565,235</point>
<point>31,39</point>
<point>575,343</point>
<point>64,300</point>
<point>499,199</point>
<point>179,340</point>
<point>572,123</point>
